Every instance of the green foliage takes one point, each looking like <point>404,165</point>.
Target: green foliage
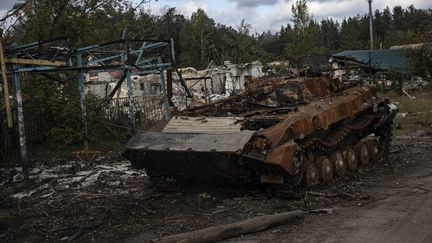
<point>329,35</point>
<point>65,135</point>
<point>62,102</point>
<point>84,22</point>
<point>418,115</point>
<point>422,60</point>
<point>197,35</point>
<point>304,36</point>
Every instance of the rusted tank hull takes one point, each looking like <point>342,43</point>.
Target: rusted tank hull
<point>280,131</point>
<point>196,156</point>
<point>204,167</point>
<point>214,166</point>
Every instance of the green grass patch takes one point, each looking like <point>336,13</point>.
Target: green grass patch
<point>414,114</point>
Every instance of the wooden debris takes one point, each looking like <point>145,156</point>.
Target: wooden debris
<point>217,233</point>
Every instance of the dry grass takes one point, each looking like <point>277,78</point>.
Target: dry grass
<point>418,111</point>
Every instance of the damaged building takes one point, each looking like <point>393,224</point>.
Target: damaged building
<point>213,83</point>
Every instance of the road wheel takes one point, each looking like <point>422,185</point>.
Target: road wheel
<point>362,153</point>
<point>324,169</point>
<point>373,149</point>
<point>338,163</point>
<point>350,158</point>
<point>311,177</point>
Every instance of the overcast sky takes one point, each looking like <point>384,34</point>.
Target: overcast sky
<point>265,14</point>
<point>6,4</point>
<point>271,14</point>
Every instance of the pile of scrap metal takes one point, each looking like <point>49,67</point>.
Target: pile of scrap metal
<point>284,132</point>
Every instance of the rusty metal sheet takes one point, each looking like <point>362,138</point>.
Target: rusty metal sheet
<point>319,115</point>
<point>283,156</point>
<point>229,142</point>
<point>315,116</point>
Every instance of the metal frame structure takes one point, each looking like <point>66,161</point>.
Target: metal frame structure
<point>130,56</point>
<point>149,57</point>
<point>40,61</point>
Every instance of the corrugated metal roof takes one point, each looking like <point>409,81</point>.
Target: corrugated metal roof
<point>394,60</point>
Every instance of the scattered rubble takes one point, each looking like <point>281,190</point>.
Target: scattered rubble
<point>62,196</point>
<point>113,178</point>
<point>110,201</point>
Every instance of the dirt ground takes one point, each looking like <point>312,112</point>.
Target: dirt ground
<point>398,207</point>
<point>390,201</point>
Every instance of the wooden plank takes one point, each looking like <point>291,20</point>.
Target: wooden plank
<point>24,61</point>
<point>5,86</point>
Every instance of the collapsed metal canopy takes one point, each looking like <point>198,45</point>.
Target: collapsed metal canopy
<point>130,56</point>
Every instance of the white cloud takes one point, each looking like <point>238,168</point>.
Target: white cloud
<point>191,6</point>
<point>271,14</point>
<point>253,3</point>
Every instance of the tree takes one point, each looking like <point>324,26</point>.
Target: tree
<point>84,22</point>
<point>421,60</point>
<point>170,26</point>
<point>245,44</point>
<point>329,35</point>
<point>269,46</point>
<point>304,37</point>
<point>301,16</point>
<point>198,35</point>
<point>383,25</point>
<point>223,47</point>
<point>352,36</point>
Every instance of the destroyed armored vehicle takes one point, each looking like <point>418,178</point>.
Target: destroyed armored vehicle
<point>290,132</point>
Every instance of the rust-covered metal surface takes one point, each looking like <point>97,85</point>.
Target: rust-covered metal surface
<point>278,131</point>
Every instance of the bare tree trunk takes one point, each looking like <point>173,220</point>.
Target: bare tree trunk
<point>217,233</point>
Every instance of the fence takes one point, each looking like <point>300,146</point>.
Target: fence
<point>148,109</point>
<point>39,121</point>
